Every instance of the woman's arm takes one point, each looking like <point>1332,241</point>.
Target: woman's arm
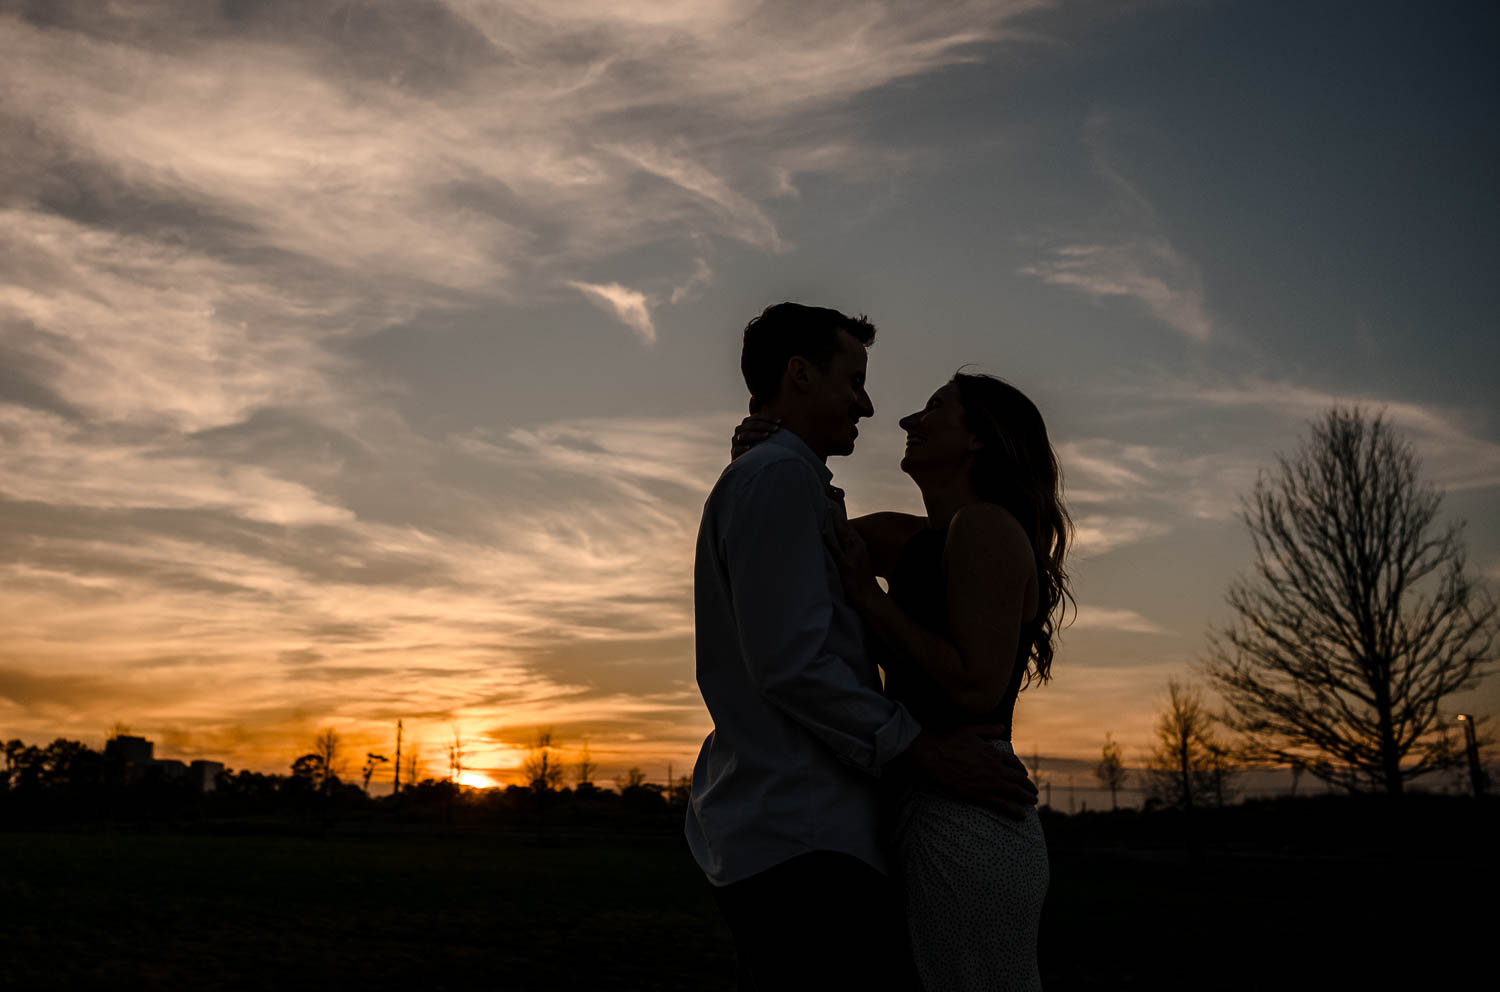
<point>886,533</point>
<point>991,582</point>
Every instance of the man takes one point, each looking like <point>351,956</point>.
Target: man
<point>782,817</point>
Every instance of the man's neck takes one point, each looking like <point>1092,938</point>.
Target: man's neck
<point>792,420</point>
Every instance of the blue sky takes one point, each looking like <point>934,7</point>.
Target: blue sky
<point>361,361</point>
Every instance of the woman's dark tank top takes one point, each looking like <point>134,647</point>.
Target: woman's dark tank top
<point>920,587</point>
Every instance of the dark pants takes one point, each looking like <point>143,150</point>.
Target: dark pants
<point>821,921</point>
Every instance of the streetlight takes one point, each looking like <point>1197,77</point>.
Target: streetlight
<point>1476,774</point>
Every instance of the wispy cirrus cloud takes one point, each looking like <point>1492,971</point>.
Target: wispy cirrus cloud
<point>1101,533</point>
<point>1105,618</point>
<point>209,504</point>
<point>1147,270</point>
<point>545,580</point>
<point>1126,253</point>
<point>1452,453</point>
<point>628,305</point>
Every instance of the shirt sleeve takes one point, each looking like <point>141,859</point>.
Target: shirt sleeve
<point>779,581</point>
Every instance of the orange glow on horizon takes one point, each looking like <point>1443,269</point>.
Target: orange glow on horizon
<point>476,780</point>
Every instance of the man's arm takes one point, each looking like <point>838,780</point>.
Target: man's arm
<point>783,603</point>
<point>779,582</point>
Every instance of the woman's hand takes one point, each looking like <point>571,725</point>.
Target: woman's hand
<point>855,565</point>
<point>752,431</point>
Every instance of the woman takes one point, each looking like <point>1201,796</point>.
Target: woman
<point>977,589</point>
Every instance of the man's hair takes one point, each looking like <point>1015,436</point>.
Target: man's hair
<point>785,330</point>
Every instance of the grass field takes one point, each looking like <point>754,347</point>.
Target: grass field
<point>96,910</point>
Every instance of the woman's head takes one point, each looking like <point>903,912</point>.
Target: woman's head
<point>989,429</point>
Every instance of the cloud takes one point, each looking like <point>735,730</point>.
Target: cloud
<point>702,275</point>
<point>1454,456</point>
<point>1103,618</point>
<point>1157,478</point>
<point>548,580</point>
<point>1126,252</point>
<point>209,503</point>
<point>1098,534</point>
<point>1147,270</point>
<point>627,305</point>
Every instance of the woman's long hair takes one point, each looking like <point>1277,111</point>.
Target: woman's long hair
<point>1017,469</point>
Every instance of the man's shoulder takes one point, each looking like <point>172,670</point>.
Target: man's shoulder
<point>762,463</point>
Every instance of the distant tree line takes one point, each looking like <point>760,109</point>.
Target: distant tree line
<point>68,781</point>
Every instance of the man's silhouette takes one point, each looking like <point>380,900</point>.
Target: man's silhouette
<point>782,817</point>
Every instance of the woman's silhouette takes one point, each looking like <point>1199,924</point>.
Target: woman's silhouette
<point>977,589</point>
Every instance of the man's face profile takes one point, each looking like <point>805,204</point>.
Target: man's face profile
<point>838,399</point>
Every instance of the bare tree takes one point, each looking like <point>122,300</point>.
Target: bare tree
<point>456,757</point>
<point>413,765</point>
<point>1357,619</point>
<point>1111,770</point>
<point>584,769</point>
<point>1186,763</point>
<point>543,766</point>
<point>329,751</point>
<point>633,779</point>
<point>371,760</point>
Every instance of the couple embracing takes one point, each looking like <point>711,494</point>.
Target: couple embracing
<point>860,835</point>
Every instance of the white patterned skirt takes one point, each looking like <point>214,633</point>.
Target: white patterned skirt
<point>974,883</point>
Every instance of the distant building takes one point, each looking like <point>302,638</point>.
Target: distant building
<point>204,775</point>
<point>129,757</point>
<point>169,769</point>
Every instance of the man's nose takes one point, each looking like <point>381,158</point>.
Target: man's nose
<point>866,408</point>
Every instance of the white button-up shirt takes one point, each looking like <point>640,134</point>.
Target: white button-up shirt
<point>801,728</point>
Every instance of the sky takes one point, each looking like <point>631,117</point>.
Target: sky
<point>363,361</point>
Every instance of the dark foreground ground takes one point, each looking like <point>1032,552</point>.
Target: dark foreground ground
<point>1130,907</point>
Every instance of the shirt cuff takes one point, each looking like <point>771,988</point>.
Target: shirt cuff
<point>894,737</point>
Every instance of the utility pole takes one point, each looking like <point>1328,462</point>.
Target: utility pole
<point>1045,784</point>
<point>1476,773</point>
<point>396,785</point>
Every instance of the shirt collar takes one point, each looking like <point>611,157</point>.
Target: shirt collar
<point>793,443</point>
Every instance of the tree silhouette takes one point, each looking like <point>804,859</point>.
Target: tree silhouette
<point>1186,762</point>
<point>371,760</point>
<point>308,772</point>
<point>1358,618</point>
<point>456,756</point>
<point>584,769</point>
<point>542,767</point>
<point>1111,770</point>
<point>413,765</point>
<point>328,748</point>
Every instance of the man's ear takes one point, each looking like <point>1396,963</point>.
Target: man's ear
<point>798,374</point>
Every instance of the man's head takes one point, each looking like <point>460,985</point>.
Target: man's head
<point>807,366</point>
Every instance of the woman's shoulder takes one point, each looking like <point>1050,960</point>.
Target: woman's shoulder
<point>886,533</point>
<point>989,527</point>
<point>888,526</point>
